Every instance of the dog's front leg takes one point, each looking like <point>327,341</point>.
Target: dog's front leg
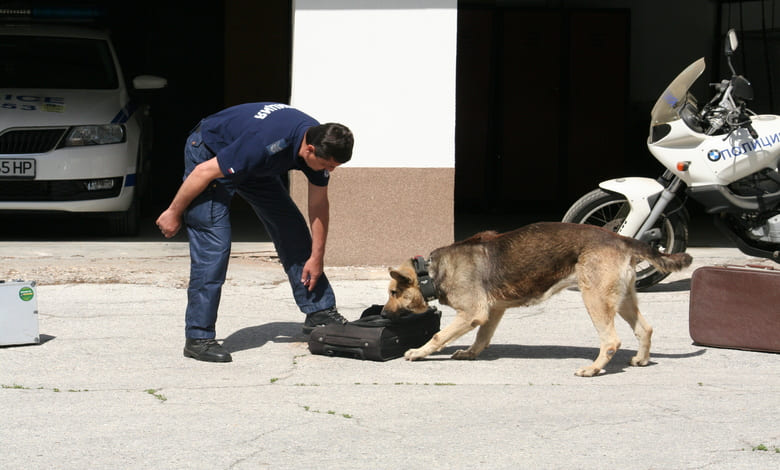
<point>459,327</point>
<point>484,334</point>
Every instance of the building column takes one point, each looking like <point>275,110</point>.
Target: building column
<point>388,73</point>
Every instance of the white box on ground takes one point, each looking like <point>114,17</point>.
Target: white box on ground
<point>18,313</point>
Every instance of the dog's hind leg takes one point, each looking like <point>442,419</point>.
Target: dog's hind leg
<point>602,312</point>
<point>629,310</point>
<point>459,327</point>
<point>484,334</point>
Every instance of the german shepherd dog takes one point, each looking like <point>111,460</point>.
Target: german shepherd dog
<point>484,275</point>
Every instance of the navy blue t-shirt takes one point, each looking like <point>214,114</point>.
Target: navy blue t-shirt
<point>259,139</point>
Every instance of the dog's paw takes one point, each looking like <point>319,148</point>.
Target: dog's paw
<point>587,372</point>
<point>464,355</point>
<point>638,361</point>
<point>414,354</point>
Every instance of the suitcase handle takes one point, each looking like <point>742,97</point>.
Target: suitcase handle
<point>753,266</point>
<point>331,350</point>
<point>758,266</point>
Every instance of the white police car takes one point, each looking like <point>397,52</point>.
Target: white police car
<point>72,139</point>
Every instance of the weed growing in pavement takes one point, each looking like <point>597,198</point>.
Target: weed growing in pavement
<point>765,448</point>
<point>155,393</point>
<point>15,387</point>
<point>55,389</point>
<point>151,391</point>
<point>329,412</point>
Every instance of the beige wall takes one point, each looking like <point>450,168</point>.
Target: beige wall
<point>386,70</point>
<point>382,216</point>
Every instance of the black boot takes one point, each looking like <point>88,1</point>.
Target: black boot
<point>206,350</point>
<point>321,318</point>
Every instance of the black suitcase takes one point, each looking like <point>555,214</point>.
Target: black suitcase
<point>374,337</point>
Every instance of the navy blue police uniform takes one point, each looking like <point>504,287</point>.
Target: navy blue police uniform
<point>255,145</point>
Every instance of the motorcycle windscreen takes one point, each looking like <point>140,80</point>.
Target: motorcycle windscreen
<point>673,98</point>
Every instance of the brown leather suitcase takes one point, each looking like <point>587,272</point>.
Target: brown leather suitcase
<point>736,307</point>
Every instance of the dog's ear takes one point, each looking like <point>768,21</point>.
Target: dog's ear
<point>402,276</point>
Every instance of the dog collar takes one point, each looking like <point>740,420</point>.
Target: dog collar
<point>427,286</point>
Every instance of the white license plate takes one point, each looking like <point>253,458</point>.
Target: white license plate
<point>17,168</point>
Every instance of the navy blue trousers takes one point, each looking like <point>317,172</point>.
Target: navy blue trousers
<point>207,221</point>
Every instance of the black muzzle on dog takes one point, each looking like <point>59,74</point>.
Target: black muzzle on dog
<point>427,286</point>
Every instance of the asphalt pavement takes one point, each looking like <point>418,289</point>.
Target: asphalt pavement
<point>108,387</point>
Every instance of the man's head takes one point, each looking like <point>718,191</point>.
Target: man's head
<point>331,141</point>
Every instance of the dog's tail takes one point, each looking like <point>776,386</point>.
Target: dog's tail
<point>663,262</point>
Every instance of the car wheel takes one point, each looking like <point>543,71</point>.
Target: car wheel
<point>126,224</point>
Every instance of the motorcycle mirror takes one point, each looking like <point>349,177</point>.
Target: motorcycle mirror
<point>731,42</point>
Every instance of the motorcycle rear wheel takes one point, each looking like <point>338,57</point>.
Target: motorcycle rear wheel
<point>609,210</point>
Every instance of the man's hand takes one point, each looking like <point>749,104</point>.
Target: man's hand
<point>170,220</point>
<point>312,271</point>
<point>169,223</point>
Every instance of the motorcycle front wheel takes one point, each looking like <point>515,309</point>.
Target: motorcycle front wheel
<point>609,210</point>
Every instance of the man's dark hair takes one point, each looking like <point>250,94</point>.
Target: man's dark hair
<point>331,140</point>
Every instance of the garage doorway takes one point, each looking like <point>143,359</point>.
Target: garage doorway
<point>542,106</point>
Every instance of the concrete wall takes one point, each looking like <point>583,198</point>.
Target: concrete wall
<point>387,71</point>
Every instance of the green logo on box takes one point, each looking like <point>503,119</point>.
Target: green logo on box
<point>26,293</point>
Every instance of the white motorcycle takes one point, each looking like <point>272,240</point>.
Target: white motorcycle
<point>722,155</point>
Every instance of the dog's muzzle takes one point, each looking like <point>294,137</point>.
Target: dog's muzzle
<point>394,315</point>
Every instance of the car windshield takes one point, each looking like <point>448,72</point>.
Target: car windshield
<point>56,62</point>
<point>675,95</point>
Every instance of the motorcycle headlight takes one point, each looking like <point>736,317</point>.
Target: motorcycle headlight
<point>95,135</point>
